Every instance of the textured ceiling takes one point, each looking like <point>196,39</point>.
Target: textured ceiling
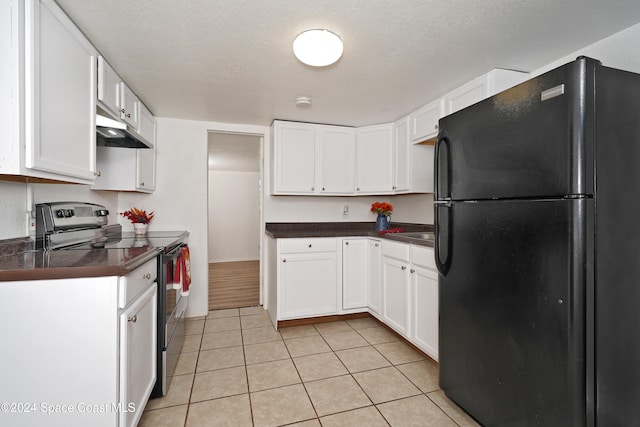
<point>231,60</point>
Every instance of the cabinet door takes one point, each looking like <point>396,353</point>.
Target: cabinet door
<point>374,154</point>
<point>336,159</point>
<point>129,106</point>
<point>146,169</point>
<point>294,158</point>
<point>108,87</point>
<point>307,285</point>
<point>395,292</point>
<point>138,358</point>
<point>402,164</point>
<point>425,309</point>
<point>147,124</point>
<point>60,94</point>
<point>423,123</point>
<point>472,92</point>
<point>374,295</point>
<point>354,273</point>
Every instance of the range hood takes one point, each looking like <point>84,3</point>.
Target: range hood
<point>112,133</point>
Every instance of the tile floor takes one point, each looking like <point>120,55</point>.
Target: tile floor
<point>237,370</point>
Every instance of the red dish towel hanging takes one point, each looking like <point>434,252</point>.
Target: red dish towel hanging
<point>182,271</point>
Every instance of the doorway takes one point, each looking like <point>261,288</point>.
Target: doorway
<point>234,219</point>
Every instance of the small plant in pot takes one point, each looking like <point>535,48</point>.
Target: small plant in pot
<point>383,210</point>
<point>139,218</point>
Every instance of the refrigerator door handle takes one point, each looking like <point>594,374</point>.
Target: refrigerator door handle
<point>443,242</point>
<point>441,179</point>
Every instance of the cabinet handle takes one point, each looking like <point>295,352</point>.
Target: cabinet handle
<point>309,244</point>
<point>147,276</point>
<point>404,267</point>
<point>284,260</point>
<point>322,188</point>
<point>346,243</point>
<point>358,189</point>
<point>377,244</point>
<point>133,319</point>
<point>122,111</point>
<point>97,173</point>
<point>412,271</point>
<point>142,184</point>
<point>436,126</point>
<point>128,115</point>
<point>313,188</point>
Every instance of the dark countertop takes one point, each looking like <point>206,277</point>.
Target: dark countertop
<point>19,261</point>
<point>285,230</point>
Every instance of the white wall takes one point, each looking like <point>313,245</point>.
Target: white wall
<point>234,216</point>
<point>621,50</point>
<point>13,210</point>
<point>180,199</point>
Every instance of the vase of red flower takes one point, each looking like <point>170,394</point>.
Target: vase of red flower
<point>383,209</point>
<point>140,220</point>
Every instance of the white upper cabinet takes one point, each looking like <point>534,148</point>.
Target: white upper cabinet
<point>374,165</point>
<point>125,169</point>
<point>108,87</point>
<point>413,162</point>
<point>294,164</point>
<point>314,159</point>
<point>423,123</point>
<point>483,87</point>
<point>129,106</point>
<point>336,159</point>
<point>48,74</point>
<point>402,178</point>
<point>146,124</point>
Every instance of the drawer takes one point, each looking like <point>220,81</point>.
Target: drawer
<point>424,256</point>
<point>395,250</point>
<point>136,282</point>
<point>312,244</point>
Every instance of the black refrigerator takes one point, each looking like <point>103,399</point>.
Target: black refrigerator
<point>537,212</point>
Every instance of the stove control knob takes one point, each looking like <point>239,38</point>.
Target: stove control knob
<point>71,212</point>
<point>60,213</point>
<point>102,212</point>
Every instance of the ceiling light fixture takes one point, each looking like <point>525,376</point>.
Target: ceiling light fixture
<point>318,48</point>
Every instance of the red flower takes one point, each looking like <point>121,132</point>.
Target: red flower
<point>382,208</point>
<point>137,216</point>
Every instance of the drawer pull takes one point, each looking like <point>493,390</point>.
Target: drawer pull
<point>133,319</point>
<point>404,267</point>
<point>284,260</point>
<point>147,276</point>
<point>309,244</point>
<point>412,271</point>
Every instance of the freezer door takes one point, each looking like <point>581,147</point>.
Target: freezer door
<point>533,140</point>
<point>513,310</point>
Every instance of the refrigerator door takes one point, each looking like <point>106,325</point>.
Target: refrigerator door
<point>531,141</point>
<point>514,297</point>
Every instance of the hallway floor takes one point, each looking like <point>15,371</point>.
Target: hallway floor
<point>237,370</point>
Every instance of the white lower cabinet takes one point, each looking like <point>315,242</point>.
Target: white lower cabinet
<point>374,294</point>
<point>396,282</point>
<point>83,352</point>
<point>307,277</point>
<point>396,310</point>
<point>137,349</point>
<point>354,273</point>
<point>424,282</point>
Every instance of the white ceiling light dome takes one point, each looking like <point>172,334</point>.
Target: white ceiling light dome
<point>318,48</point>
